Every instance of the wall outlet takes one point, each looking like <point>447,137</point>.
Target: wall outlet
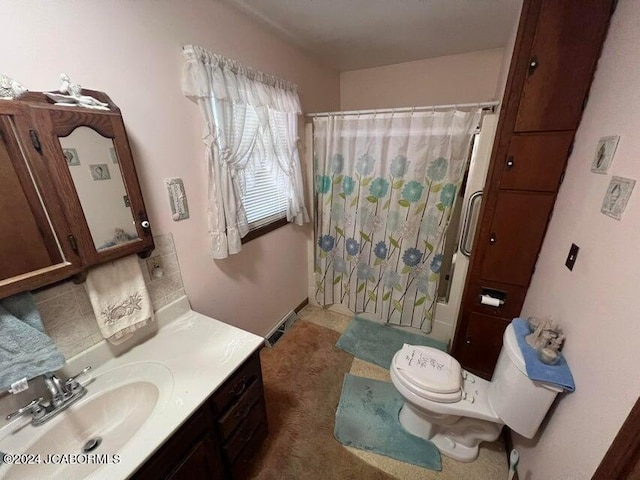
<point>155,266</point>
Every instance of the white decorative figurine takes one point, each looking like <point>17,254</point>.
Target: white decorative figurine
<point>10,89</point>
<point>72,96</point>
<point>547,339</point>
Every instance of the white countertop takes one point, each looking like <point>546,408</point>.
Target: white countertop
<point>199,352</point>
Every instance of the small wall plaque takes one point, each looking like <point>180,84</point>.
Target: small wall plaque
<point>177,199</point>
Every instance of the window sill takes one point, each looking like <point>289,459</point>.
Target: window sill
<point>269,227</point>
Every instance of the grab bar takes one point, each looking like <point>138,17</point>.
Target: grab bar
<point>465,248</point>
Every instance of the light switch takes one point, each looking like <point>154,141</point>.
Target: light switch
<point>571,258</point>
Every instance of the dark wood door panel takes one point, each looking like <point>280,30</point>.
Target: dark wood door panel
<point>481,344</point>
<point>563,56</point>
<point>536,162</point>
<point>517,229</point>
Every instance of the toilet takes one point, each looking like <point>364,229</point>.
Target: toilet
<point>457,410</point>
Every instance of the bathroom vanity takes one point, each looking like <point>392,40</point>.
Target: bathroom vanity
<point>220,439</point>
<point>186,401</point>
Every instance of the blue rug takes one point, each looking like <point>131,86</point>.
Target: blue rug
<point>378,342</point>
<point>367,418</point>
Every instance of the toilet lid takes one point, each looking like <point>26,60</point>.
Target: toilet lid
<point>428,368</point>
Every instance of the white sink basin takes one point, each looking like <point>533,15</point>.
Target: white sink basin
<point>118,405</point>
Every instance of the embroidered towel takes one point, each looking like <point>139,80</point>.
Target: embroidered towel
<point>26,351</point>
<point>119,298</point>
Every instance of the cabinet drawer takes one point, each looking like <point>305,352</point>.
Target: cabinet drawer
<point>481,343</point>
<point>245,432</point>
<point>237,384</point>
<point>240,467</point>
<point>238,412</point>
<point>536,162</point>
<point>517,229</point>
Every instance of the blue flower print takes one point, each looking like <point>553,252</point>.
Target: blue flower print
<point>339,265</point>
<point>364,271</point>
<point>393,220</point>
<point>399,166</point>
<point>381,250</point>
<point>379,187</point>
<point>412,191</point>
<point>348,184</point>
<point>323,183</point>
<point>391,279</point>
<point>430,225</point>
<point>422,283</point>
<point>436,263</point>
<point>326,242</point>
<point>411,257</point>
<point>437,169</point>
<point>364,165</point>
<point>448,194</point>
<point>352,246</point>
<point>337,163</point>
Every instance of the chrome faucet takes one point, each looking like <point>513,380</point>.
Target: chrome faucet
<point>62,396</point>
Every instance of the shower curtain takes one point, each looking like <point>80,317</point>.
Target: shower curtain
<point>385,187</point>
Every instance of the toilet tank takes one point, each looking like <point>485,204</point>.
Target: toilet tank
<point>519,402</point>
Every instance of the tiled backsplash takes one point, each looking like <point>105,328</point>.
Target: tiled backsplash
<point>67,314</point>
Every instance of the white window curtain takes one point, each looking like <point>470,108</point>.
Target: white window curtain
<point>251,122</point>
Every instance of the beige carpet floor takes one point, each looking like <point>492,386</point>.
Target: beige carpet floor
<point>303,376</point>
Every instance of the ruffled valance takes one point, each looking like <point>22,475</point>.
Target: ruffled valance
<point>235,82</point>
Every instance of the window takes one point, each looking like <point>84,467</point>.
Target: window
<point>251,123</point>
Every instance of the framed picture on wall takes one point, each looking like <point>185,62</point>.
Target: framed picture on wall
<point>617,197</point>
<point>604,154</point>
<point>100,171</point>
<point>71,156</point>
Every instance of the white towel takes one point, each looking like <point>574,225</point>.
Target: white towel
<point>119,298</point>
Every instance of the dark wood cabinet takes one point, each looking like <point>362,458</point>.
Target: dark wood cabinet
<point>562,59</point>
<point>71,192</point>
<point>512,253</point>
<point>554,59</point>
<point>220,440</point>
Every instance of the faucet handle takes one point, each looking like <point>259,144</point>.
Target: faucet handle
<point>72,382</point>
<point>34,406</point>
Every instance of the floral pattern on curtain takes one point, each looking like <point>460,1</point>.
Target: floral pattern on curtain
<point>385,188</point>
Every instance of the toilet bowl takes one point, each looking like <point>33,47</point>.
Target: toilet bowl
<point>457,410</point>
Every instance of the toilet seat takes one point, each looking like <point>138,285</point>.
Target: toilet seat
<point>429,373</point>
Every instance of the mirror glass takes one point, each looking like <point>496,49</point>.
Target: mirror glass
<point>27,239</point>
<point>94,167</point>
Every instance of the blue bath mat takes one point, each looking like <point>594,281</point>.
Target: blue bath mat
<point>367,418</point>
<point>377,342</point>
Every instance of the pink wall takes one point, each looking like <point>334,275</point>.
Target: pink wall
<point>597,303</point>
<point>463,78</point>
<point>132,50</point>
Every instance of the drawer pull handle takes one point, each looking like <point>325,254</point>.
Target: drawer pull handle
<point>239,387</point>
<point>492,239</point>
<point>510,162</point>
<point>533,64</point>
<point>243,412</point>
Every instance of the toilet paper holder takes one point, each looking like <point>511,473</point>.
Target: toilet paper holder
<point>492,297</point>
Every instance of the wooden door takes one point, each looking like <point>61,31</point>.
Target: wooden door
<point>536,162</point>
<point>565,49</point>
<point>517,229</point>
<point>202,463</point>
<point>482,343</point>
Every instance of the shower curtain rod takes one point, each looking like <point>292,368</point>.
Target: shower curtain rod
<point>484,105</point>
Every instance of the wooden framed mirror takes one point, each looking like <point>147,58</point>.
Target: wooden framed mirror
<point>72,198</point>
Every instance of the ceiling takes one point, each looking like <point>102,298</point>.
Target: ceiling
<point>355,34</point>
